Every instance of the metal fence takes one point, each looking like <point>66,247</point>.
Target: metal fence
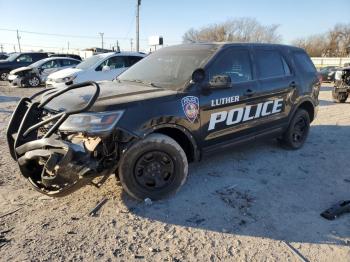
<point>330,61</point>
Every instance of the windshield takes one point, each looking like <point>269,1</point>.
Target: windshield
<point>169,67</point>
<point>89,62</point>
<point>12,57</point>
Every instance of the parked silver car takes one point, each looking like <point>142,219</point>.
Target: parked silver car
<point>36,73</point>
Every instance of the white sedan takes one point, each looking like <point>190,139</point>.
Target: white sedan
<point>100,67</point>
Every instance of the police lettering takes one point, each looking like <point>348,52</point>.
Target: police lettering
<point>243,114</point>
<point>224,100</point>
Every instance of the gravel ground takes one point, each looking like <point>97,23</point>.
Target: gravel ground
<point>251,203</point>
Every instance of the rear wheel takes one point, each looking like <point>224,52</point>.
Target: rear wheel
<point>339,97</point>
<point>298,130</point>
<point>155,167</point>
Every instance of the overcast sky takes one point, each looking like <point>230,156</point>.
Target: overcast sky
<point>84,19</point>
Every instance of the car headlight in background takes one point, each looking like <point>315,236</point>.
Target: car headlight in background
<point>92,122</point>
<point>65,79</point>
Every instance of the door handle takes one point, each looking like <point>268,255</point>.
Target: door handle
<point>293,84</point>
<point>249,92</point>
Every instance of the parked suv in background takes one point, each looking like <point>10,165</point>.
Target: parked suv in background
<point>36,73</point>
<point>171,108</point>
<point>17,60</point>
<point>328,73</point>
<point>100,67</point>
<point>77,57</point>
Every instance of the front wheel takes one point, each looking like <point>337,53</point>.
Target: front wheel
<point>298,130</point>
<point>34,81</point>
<point>155,167</point>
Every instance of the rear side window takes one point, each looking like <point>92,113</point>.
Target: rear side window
<point>67,62</point>
<point>270,63</point>
<point>234,63</point>
<point>304,62</point>
<point>133,60</point>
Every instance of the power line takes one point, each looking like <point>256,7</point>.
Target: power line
<point>64,35</point>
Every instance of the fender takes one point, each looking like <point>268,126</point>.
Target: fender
<point>185,131</point>
<point>297,106</point>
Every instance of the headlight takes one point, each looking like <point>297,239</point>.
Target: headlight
<point>92,122</point>
<point>65,79</point>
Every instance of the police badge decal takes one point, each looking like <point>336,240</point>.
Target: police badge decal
<point>190,106</point>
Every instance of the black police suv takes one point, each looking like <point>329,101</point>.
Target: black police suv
<point>171,108</point>
<point>16,60</point>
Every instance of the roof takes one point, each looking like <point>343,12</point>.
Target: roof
<point>105,55</point>
<point>209,45</point>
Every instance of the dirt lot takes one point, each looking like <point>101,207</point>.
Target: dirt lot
<point>244,204</point>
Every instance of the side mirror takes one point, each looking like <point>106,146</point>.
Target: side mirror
<point>198,75</point>
<point>105,68</point>
<point>220,81</point>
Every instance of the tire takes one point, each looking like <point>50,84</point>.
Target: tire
<point>3,76</point>
<point>298,130</point>
<point>339,97</point>
<point>155,167</point>
<point>34,81</point>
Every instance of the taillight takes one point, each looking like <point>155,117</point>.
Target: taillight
<point>319,78</point>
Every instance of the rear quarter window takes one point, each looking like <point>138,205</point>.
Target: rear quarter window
<point>303,62</point>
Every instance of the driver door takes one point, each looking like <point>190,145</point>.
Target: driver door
<point>221,109</point>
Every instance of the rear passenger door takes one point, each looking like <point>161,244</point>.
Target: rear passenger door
<point>277,86</point>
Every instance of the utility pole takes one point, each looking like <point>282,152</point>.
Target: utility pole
<point>118,48</point>
<point>19,43</point>
<point>2,48</point>
<point>131,44</point>
<point>68,46</point>
<point>138,25</point>
<point>101,34</point>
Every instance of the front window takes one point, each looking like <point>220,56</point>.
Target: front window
<point>169,67</point>
<point>114,62</point>
<point>24,58</point>
<point>89,62</point>
<point>50,64</point>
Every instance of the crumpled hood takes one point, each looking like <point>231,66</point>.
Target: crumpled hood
<point>21,69</point>
<point>113,95</point>
<point>64,73</point>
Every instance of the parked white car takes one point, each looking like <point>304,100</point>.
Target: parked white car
<point>100,67</point>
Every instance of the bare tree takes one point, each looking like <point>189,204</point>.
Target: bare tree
<point>234,30</point>
<point>335,42</point>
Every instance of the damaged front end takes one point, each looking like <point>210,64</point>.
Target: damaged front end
<point>58,162</point>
